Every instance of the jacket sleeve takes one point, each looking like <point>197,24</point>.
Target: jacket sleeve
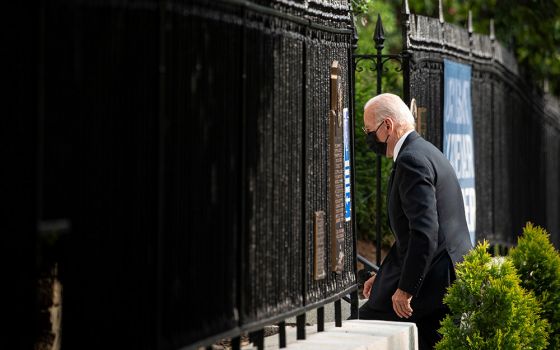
<point>418,199</point>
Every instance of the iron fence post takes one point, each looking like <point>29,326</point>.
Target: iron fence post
<point>379,38</point>
<point>320,319</point>
<point>241,239</point>
<point>162,124</point>
<point>304,232</point>
<point>282,334</point>
<point>300,324</point>
<point>405,54</point>
<point>338,313</point>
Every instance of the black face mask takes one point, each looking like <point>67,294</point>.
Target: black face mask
<point>377,147</point>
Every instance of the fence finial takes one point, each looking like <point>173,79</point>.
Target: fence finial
<point>405,21</point>
<point>441,19</point>
<point>379,35</point>
<point>469,23</point>
<point>492,33</point>
<point>405,7</point>
<point>355,37</point>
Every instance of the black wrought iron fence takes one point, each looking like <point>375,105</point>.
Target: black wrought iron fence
<point>186,144</point>
<point>516,128</point>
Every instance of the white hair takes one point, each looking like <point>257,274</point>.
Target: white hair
<point>390,106</point>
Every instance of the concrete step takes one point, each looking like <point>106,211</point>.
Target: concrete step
<point>353,335</point>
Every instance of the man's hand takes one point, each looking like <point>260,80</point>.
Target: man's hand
<point>367,286</point>
<point>401,303</point>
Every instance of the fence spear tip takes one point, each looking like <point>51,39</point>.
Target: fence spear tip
<point>440,5</point>
<point>405,7</point>
<point>379,34</point>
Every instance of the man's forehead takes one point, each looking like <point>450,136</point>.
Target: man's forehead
<point>369,113</point>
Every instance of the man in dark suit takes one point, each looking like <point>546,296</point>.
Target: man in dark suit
<point>427,217</point>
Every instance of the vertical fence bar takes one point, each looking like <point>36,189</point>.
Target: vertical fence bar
<point>354,305</point>
<point>40,111</point>
<point>470,31</point>
<point>161,174</point>
<point>379,38</point>
<point>236,343</point>
<point>257,337</point>
<point>282,334</point>
<point>338,313</point>
<point>300,323</point>
<point>35,195</point>
<point>241,238</point>
<point>303,169</point>
<point>320,319</point>
<point>493,113</point>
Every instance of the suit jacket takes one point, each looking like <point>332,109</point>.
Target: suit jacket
<point>427,217</point>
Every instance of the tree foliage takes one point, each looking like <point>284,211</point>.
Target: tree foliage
<point>538,264</point>
<point>361,7</point>
<point>489,308</point>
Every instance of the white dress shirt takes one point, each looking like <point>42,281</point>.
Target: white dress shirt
<point>399,144</point>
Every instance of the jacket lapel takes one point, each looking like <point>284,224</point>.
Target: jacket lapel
<point>389,188</point>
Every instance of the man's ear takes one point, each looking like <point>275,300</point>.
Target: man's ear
<point>389,123</point>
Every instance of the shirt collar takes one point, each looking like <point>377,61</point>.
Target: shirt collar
<point>399,144</point>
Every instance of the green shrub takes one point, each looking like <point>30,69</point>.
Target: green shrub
<point>489,308</point>
<point>538,264</point>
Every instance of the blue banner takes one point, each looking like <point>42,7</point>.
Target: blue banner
<point>347,193</point>
<point>458,134</point>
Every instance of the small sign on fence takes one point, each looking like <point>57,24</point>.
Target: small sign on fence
<point>319,271</point>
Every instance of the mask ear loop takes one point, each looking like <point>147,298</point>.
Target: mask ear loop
<point>387,133</point>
